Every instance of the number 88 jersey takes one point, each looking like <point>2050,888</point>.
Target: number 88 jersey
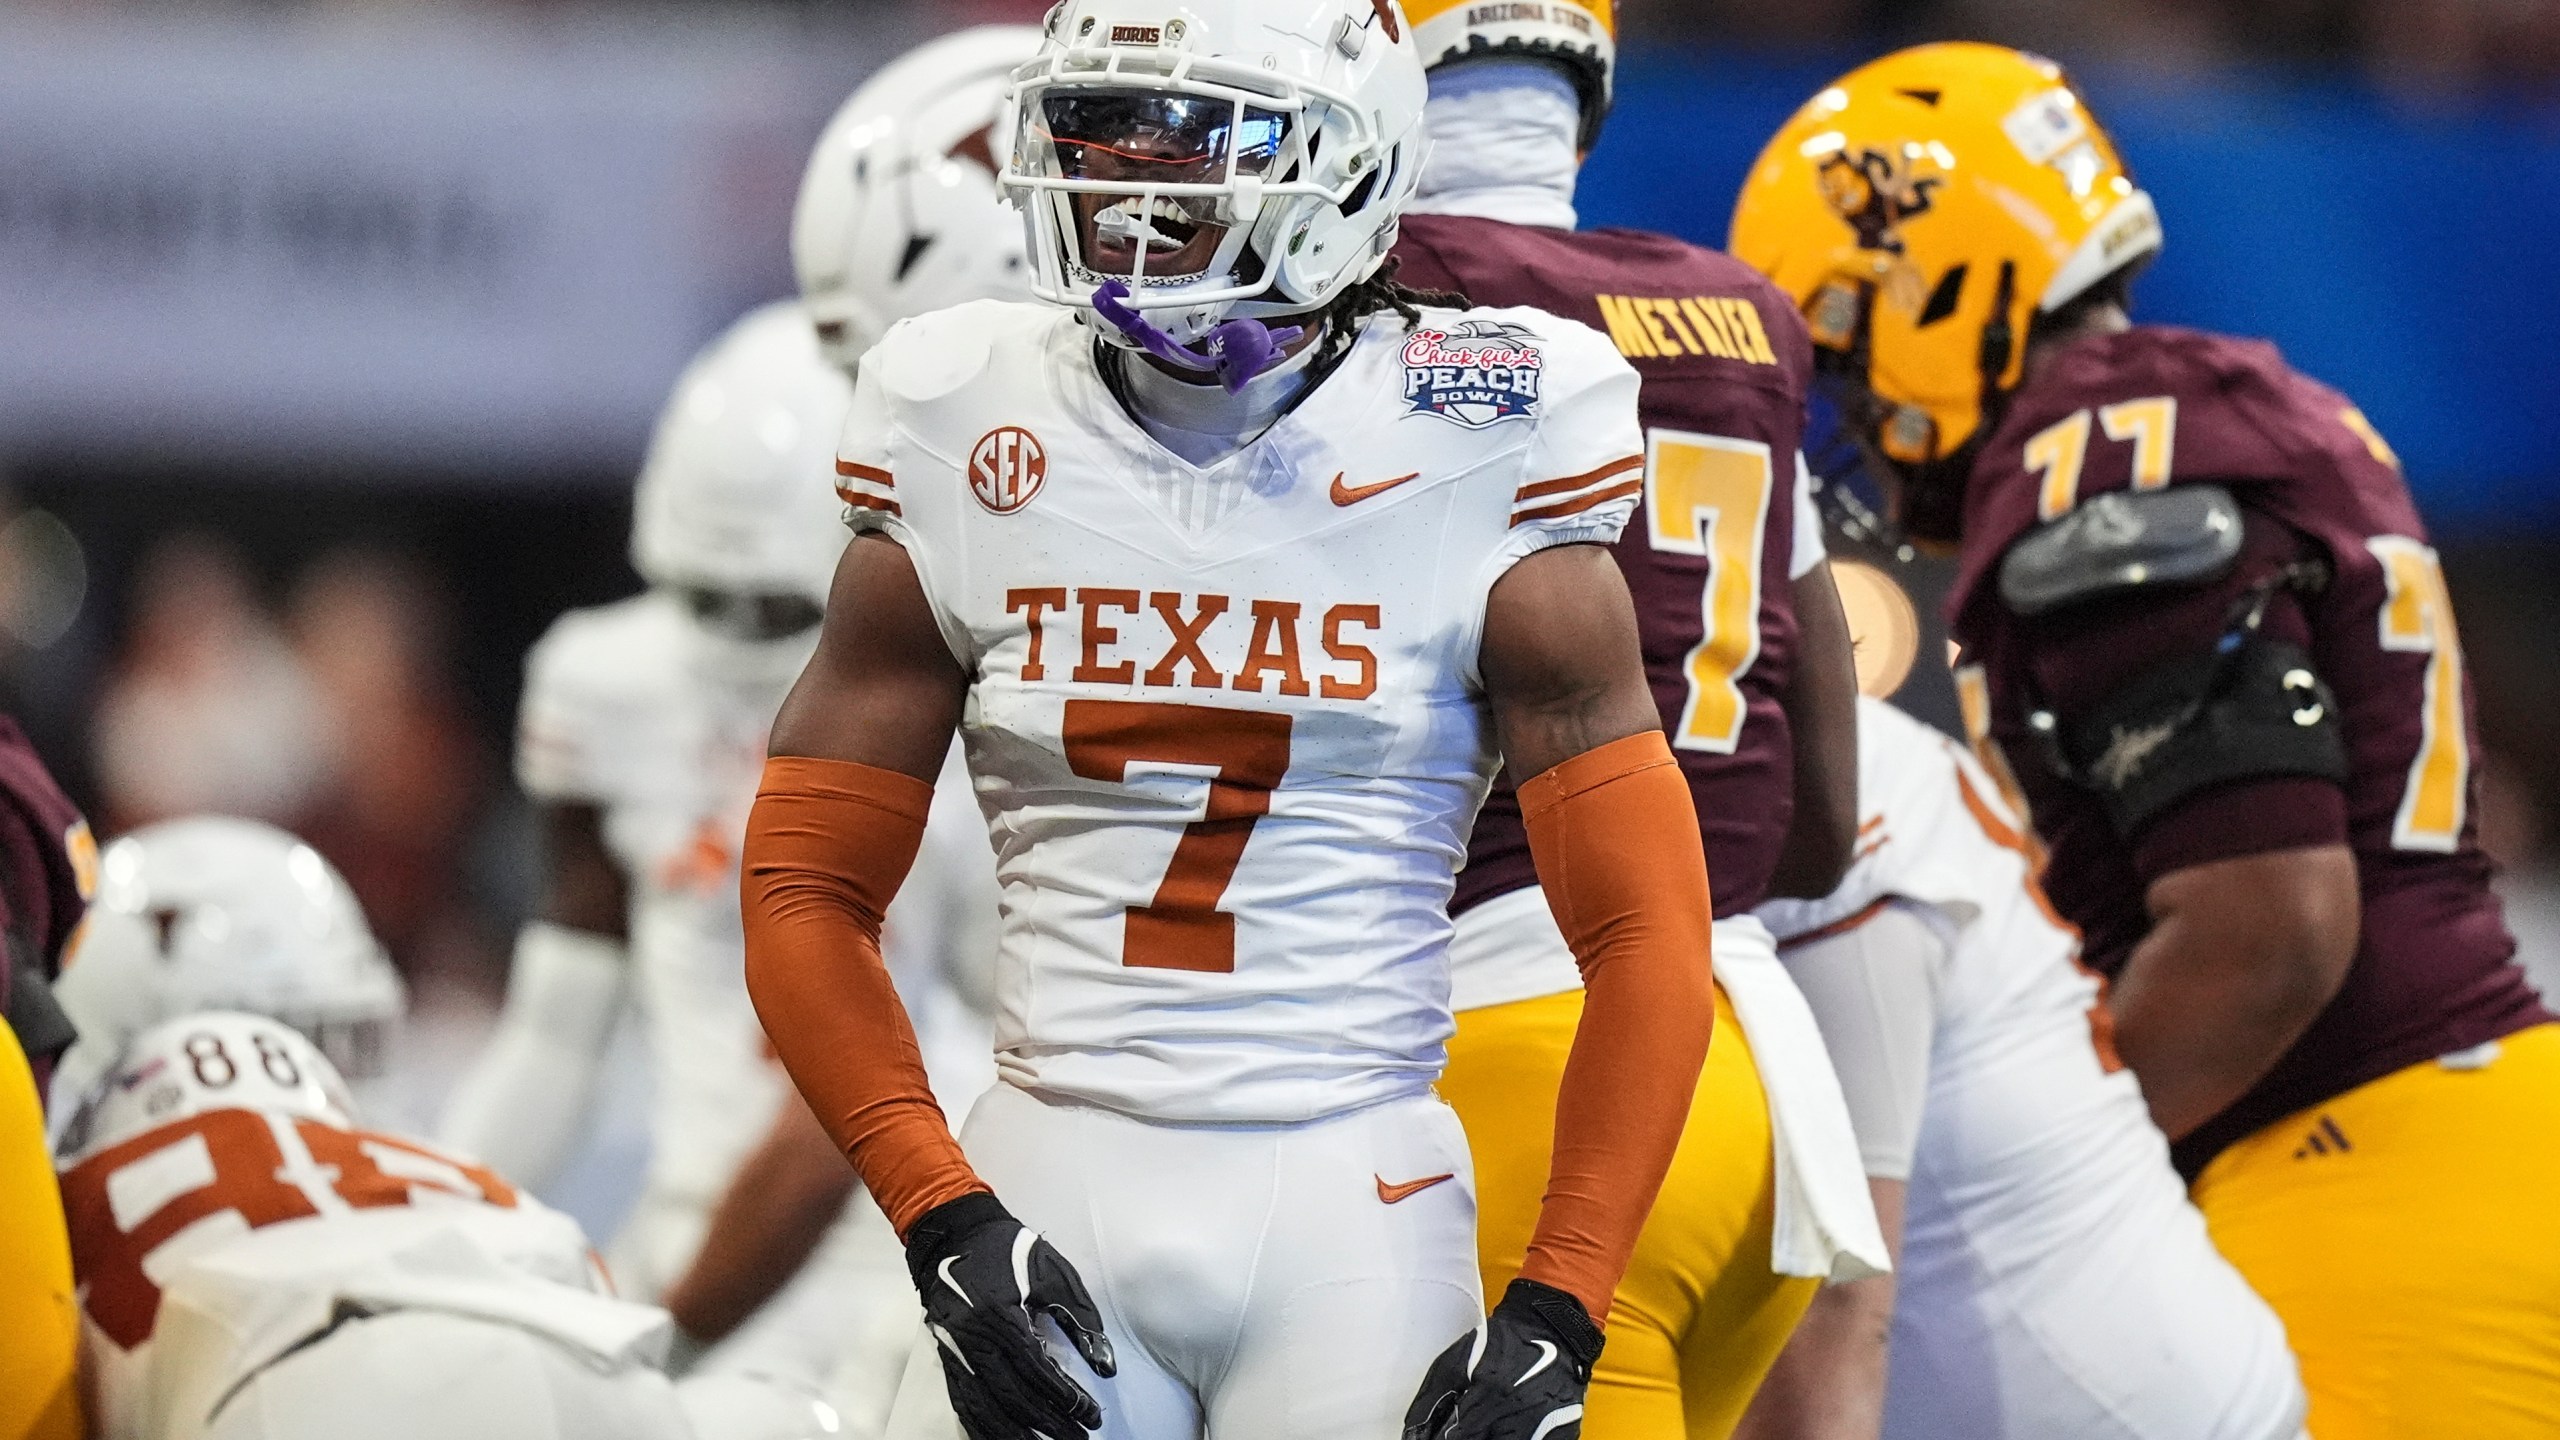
<point>1224,721</point>
<point>221,1205</point>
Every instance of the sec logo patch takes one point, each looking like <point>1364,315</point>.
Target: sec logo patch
<point>1006,468</point>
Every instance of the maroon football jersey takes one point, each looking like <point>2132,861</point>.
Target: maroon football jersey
<point>2157,406</point>
<point>1725,363</point>
<point>45,852</point>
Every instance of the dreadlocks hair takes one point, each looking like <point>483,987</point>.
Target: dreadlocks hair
<point>1381,291</point>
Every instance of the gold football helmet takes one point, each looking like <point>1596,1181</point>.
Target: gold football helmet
<point>1924,210</point>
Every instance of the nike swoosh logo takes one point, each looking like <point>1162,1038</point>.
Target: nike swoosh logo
<point>1390,1194</point>
<point>1547,1353</point>
<point>1354,494</point>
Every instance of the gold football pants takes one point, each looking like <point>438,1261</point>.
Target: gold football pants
<point>2408,1232</point>
<point>39,1318</point>
<point>1701,1316</point>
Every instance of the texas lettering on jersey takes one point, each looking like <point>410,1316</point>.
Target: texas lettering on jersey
<point>1109,629</point>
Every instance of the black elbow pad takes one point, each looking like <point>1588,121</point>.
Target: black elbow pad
<point>2258,712</point>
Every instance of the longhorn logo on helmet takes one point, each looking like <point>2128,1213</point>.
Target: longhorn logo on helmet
<point>1006,468</point>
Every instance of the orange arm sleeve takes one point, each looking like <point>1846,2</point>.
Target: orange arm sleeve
<point>1615,838</point>
<point>827,844</point>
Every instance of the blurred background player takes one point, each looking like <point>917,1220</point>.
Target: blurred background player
<point>898,212</point>
<point>1750,666</point>
<point>48,867</point>
<point>2215,650</point>
<point>643,727</point>
<point>898,215</point>
<point>2051,1280</point>
<point>212,912</point>
<point>255,1267</point>
<point>1219,1025</point>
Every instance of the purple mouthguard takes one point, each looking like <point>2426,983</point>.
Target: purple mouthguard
<point>1237,350</point>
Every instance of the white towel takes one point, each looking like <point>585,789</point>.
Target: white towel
<point>1826,1222</point>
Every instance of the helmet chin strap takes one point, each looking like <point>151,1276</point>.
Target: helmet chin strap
<point>1237,350</point>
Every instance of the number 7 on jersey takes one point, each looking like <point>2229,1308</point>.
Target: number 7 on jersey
<point>1709,495</point>
<point>1183,928</point>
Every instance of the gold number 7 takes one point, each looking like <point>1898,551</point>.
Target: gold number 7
<point>2059,450</point>
<point>2418,616</point>
<point>1710,495</point>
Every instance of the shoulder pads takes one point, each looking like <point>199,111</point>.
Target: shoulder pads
<point>2121,541</point>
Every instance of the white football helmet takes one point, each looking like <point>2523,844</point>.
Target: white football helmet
<point>210,1060</point>
<point>217,913</point>
<point>736,509</point>
<point>899,212</point>
<point>1216,157</point>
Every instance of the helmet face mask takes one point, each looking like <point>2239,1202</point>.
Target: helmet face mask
<point>750,617</point>
<point>1216,162</point>
<point>1162,172</point>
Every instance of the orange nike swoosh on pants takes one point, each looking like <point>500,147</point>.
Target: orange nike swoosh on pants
<point>1354,494</point>
<point>1390,1194</point>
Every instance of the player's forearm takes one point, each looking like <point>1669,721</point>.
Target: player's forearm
<point>1822,721</point>
<point>525,1101</point>
<point>1828,1384</point>
<point>827,846</point>
<point>778,1207</point>
<point>1615,838</point>
<point>2242,956</point>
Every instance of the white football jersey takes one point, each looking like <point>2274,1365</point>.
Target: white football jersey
<point>626,708</point>
<point>1224,720</point>
<point>1935,830</point>
<point>2054,1278</point>
<point>210,1246</point>
<point>618,713</point>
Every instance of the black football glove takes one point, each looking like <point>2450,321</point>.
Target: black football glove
<point>1518,1376</point>
<point>982,1277</point>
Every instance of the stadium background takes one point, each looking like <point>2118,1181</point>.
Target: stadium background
<point>331,333</point>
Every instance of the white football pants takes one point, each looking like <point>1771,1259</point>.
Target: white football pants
<point>2055,1284</point>
<point>426,1375</point>
<point>1283,1282</point>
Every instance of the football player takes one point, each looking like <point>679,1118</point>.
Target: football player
<point>1750,667</point>
<point>213,912</point>
<point>48,866</point>
<point>253,1266</point>
<point>898,215</point>
<point>1236,565</point>
<point>2206,634</point>
<point>642,730</point>
<point>2051,1279</point>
